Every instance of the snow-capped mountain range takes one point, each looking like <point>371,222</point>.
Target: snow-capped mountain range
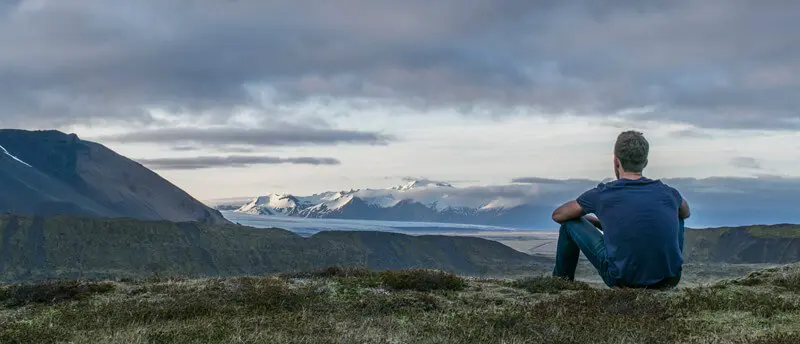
<point>525,202</point>
<point>416,200</point>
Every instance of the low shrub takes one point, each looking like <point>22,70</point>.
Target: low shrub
<point>51,292</point>
<point>331,272</point>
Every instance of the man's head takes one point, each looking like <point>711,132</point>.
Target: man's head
<point>630,153</point>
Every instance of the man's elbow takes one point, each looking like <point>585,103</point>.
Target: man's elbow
<point>558,216</point>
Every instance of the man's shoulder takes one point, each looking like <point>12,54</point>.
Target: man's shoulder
<point>666,189</point>
<point>666,186</point>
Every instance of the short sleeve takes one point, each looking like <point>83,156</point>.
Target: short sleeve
<point>677,194</point>
<point>588,200</point>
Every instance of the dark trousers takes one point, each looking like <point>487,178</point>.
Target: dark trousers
<point>580,235</point>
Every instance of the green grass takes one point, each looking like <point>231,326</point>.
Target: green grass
<point>422,280</point>
<point>549,285</point>
<point>340,305</point>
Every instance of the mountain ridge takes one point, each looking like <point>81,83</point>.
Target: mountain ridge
<point>53,173</point>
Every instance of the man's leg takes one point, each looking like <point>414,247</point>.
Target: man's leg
<point>578,236</point>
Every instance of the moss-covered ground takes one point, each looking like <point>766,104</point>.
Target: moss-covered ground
<point>407,306</point>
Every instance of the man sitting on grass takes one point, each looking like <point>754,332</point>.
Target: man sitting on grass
<point>636,238</point>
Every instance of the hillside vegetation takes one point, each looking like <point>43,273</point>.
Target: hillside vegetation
<point>750,244</point>
<point>71,248</point>
<point>411,306</point>
<point>36,248</point>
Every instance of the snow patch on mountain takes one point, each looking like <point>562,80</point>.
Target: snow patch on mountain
<point>421,183</point>
<point>273,204</point>
<point>5,152</point>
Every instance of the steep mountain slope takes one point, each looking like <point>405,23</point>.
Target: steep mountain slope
<point>49,172</point>
<point>69,247</point>
<point>25,189</point>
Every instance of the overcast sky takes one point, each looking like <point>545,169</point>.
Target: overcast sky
<point>234,98</point>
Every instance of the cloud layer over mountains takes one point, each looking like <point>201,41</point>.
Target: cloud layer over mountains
<point>715,63</point>
<point>458,88</point>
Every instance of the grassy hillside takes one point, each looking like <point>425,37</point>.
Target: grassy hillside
<point>356,306</point>
<point>67,247</point>
<point>751,244</point>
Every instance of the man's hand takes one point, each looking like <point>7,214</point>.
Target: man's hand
<point>683,211</point>
<point>594,220</point>
<point>569,211</point>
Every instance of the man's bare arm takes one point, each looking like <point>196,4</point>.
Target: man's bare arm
<point>684,212</point>
<point>569,211</point>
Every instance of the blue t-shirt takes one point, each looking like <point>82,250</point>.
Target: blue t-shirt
<point>640,228</point>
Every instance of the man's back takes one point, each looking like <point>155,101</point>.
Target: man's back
<point>641,228</point>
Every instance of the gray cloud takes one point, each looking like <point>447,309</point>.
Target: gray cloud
<point>715,63</point>
<point>236,161</point>
<point>691,133</point>
<point>746,162</point>
<point>184,148</point>
<point>224,137</point>
<point>426,180</point>
<point>537,180</point>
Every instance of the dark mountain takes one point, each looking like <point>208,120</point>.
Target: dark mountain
<point>70,247</point>
<point>778,244</point>
<point>53,173</point>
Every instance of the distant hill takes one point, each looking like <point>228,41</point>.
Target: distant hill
<point>777,244</point>
<point>68,247</point>
<point>52,173</point>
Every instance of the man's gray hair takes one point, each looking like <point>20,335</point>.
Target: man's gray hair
<point>632,149</point>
